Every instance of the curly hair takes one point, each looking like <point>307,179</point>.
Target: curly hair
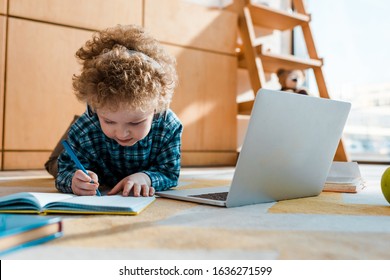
<point>125,66</point>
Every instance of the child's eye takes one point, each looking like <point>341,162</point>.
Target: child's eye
<point>136,123</point>
<point>108,122</point>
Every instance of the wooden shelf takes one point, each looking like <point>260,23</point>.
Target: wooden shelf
<point>245,108</point>
<point>275,19</point>
<point>272,62</point>
<point>258,61</point>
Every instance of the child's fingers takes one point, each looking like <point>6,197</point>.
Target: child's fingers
<point>94,177</point>
<point>128,186</point>
<point>118,187</point>
<point>84,192</point>
<point>146,190</point>
<point>81,176</point>
<point>81,184</point>
<point>83,188</point>
<point>86,186</point>
<point>131,185</point>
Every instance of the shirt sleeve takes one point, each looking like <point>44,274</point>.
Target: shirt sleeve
<point>164,172</point>
<point>66,166</point>
<point>65,174</point>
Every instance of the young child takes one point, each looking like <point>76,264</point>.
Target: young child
<point>128,139</point>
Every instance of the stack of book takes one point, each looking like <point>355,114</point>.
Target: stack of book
<point>344,177</point>
<point>20,231</point>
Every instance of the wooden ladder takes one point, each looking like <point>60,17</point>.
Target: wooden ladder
<point>258,61</point>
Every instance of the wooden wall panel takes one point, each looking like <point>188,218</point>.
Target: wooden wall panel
<point>204,158</point>
<point>92,14</point>
<point>45,34</point>
<point>205,99</point>
<point>2,73</point>
<point>3,6</point>
<point>40,102</point>
<point>24,160</point>
<point>188,24</point>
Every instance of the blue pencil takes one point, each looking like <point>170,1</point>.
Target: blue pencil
<point>70,151</point>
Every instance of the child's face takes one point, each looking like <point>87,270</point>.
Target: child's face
<point>126,127</point>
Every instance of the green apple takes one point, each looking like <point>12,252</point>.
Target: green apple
<point>385,184</point>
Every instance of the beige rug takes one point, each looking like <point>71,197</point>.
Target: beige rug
<point>328,226</point>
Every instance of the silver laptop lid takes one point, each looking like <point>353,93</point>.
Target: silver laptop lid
<point>288,148</point>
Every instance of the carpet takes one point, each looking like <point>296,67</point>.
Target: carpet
<point>329,226</point>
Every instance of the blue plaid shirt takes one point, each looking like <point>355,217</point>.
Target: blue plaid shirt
<point>157,155</point>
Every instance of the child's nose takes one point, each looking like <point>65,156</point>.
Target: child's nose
<point>123,133</point>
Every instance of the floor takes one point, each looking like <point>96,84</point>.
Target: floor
<point>329,226</point>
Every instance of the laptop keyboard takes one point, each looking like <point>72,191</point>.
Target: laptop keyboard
<point>213,196</point>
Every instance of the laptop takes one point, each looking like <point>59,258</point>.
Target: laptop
<point>287,152</point>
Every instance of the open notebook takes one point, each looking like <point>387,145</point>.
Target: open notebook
<point>287,152</point>
<point>41,203</point>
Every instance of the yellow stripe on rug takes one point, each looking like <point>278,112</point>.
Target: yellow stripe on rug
<point>328,203</point>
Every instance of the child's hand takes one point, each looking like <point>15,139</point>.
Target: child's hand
<point>138,183</point>
<point>82,185</point>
